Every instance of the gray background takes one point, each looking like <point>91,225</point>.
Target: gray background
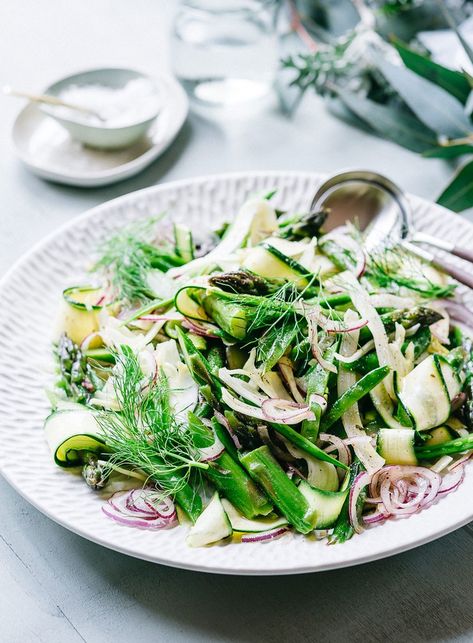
<point>55,586</point>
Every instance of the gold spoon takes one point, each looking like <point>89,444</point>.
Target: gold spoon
<point>51,100</point>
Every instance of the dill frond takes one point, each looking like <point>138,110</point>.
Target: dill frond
<point>393,268</point>
<point>145,433</point>
<point>128,258</point>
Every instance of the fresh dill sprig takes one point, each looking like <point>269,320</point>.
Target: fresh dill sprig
<point>393,268</point>
<point>128,258</point>
<point>145,432</point>
<point>279,331</point>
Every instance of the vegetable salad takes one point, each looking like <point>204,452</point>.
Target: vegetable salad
<point>264,379</point>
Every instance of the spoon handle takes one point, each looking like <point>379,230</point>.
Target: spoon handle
<point>463,253</point>
<point>463,276</point>
<point>458,251</point>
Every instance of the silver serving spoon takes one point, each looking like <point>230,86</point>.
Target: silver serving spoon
<point>382,211</point>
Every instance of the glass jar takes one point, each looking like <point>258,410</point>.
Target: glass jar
<point>224,52</point>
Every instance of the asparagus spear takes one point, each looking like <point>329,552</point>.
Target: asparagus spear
<point>369,362</point>
<point>244,281</point>
<point>406,318</point>
<point>267,472</point>
<point>300,226</point>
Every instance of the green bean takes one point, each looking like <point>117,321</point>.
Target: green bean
<point>306,445</point>
<point>353,394</point>
<point>267,472</point>
<point>317,384</point>
<point>446,448</point>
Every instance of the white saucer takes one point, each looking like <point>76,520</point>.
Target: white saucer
<point>49,151</point>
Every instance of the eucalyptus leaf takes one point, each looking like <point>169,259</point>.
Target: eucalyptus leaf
<point>458,195</point>
<point>453,25</point>
<point>449,151</point>
<point>390,121</point>
<point>454,82</point>
<point>436,108</point>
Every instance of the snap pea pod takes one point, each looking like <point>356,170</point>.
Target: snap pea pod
<point>306,445</point>
<point>369,362</point>
<point>216,358</point>
<point>445,448</point>
<point>228,476</point>
<point>198,365</point>
<point>352,395</point>
<point>189,501</point>
<point>317,384</point>
<point>266,472</point>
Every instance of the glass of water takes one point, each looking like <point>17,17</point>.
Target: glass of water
<point>225,52</point>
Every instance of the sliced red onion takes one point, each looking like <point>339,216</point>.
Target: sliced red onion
<point>339,445</point>
<point>212,452</point>
<point>264,536</point>
<point>361,481</point>
<point>374,517</point>
<point>315,398</point>
<point>100,301</point>
<point>156,318</point>
<point>139,523</point>
<point>460,461</point>
<point>202,329</point>
<point>136,509</point>
<point>314,344</point>
<point>242,407</point>
<point>331,326</point>
<point>285,412</point>
<point>225,423</point>
<point>452,480</point>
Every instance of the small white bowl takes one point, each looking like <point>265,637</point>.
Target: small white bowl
<point>101,136</point>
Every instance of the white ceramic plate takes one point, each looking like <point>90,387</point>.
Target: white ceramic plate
<point>29,294</point>
<point>49,151</point>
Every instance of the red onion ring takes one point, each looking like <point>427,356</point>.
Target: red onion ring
<point>200,328</point>
<point>264,535</point>
<point>339,445</point>
<point>361,481</point>
<point>285,412</point>
<point>126,508</point>
<point>226,424</point>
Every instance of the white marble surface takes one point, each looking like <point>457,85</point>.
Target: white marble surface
<point>55,586</point>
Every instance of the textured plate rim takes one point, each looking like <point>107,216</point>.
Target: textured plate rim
<point>430,534</point>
